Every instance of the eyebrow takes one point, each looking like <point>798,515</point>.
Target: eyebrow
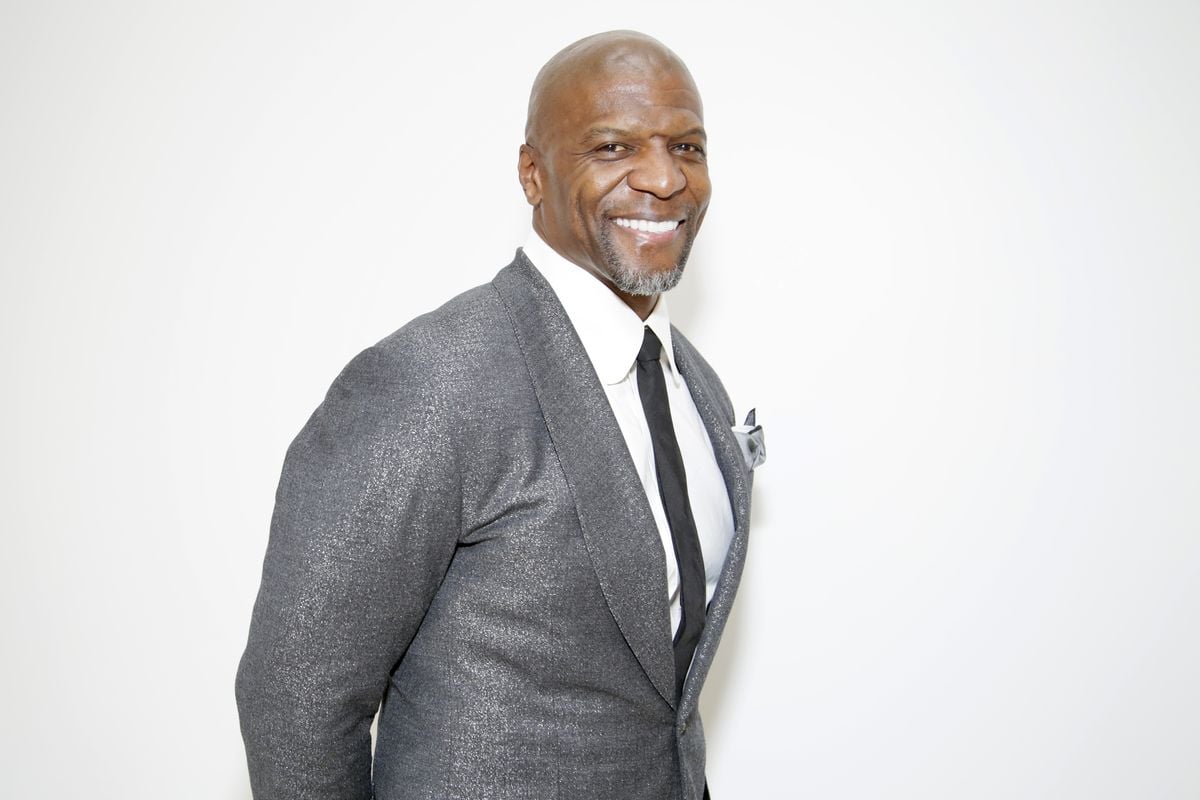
<point>619,133</point>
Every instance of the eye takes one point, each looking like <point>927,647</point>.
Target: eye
<point>611,147</point>
<point>689,148</point>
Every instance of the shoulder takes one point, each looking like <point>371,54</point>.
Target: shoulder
<point>413,386</point>
<point>435,365</point>
<point>462,325</point>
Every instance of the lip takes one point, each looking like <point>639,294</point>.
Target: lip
<point>649,237</point>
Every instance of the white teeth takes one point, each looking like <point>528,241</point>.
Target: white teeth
<point>649,226</point>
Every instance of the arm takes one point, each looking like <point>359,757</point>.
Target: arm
<point>365,523</point>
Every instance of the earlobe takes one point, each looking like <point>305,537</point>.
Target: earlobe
<point>527,173</point>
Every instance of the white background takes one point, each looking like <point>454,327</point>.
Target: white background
<point>953,257</point>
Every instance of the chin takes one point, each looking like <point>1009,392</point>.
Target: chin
<point>628,276</point>
<point>637,282</point>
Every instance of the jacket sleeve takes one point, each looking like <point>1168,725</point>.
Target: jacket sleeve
<point>366,519</point>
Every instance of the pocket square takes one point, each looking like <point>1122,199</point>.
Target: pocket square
<point>750,439</point>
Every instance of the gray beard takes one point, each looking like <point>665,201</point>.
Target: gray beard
<point>630,280</point>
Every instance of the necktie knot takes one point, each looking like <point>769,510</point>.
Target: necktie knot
<point>651,347</point>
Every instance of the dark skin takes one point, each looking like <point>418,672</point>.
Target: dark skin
<point>614,162</point>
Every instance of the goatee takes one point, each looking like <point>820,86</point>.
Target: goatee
<point>631,280</point>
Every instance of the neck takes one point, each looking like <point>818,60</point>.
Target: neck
<point>642,304</point>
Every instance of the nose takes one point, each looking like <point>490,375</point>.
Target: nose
<point>657,172</point>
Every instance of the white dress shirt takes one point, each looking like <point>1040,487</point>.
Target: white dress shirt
<point>612,336</point>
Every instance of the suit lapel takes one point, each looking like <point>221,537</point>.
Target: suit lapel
<point>717,418</point>
<point>614,515</point>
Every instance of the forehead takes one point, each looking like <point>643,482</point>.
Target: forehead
<point>664,101</point>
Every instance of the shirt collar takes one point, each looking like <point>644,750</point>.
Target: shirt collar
<point>610,330</point>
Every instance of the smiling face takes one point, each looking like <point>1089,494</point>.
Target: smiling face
<point>614,165</point>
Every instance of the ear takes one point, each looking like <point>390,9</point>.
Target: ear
<point>529,173</point>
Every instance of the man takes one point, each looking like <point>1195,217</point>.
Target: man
<point>520,520</point>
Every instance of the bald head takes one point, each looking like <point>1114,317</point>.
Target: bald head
<point>613,56</point>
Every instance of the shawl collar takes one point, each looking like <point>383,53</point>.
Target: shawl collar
<point>614,515</point>
<point>717,415</point>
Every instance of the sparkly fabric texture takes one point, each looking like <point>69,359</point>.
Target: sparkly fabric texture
<point>459,532</point>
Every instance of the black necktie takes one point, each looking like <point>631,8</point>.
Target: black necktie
<point>672,486</point>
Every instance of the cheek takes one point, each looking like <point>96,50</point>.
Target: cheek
<point>598,189</point>
<point>587,200</point>
<point>562,200</point>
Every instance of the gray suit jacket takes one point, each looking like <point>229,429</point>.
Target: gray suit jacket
<point>460,531</point>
